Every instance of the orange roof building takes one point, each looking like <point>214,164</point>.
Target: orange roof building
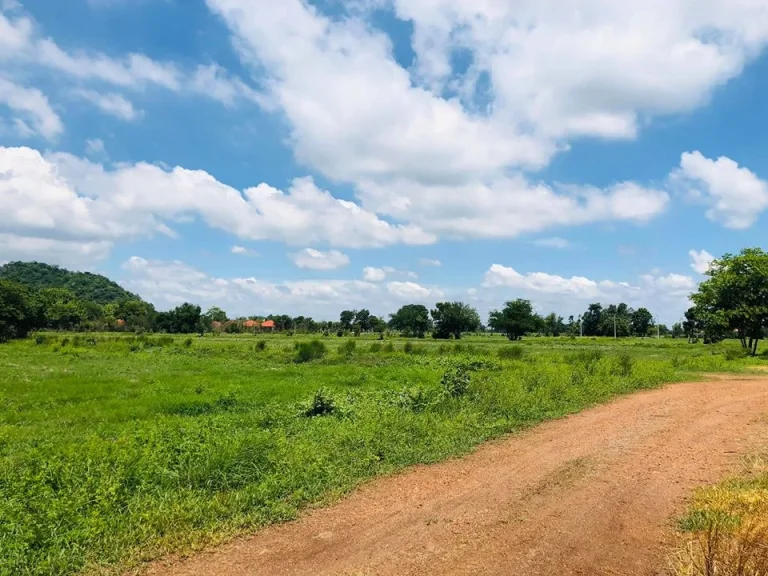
<point>268,324</point>
<point>250,324</point>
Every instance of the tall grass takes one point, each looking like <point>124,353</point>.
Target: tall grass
<point>123,448</point>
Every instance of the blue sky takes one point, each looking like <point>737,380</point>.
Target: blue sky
<point>306,157</point>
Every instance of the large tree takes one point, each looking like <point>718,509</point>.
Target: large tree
<point>516,319</point>
<point>735,297</point>
<point>60,309</point>
<point>591,320</point>
<point>18,310</point>
<point>642,321</point>
<point>454,318</point>
<point>347,318</point>
<point>363,320</point>
<point>412,320</point>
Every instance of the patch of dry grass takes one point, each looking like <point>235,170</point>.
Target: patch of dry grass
<point>726,530</point>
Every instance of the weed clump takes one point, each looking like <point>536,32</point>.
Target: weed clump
<point>261,345</point>
<point>455,382</point>
<point>511,352</point>
<point>348,348</point>
<point>322,404</point>
<point>732,354</point>
<point>625,364</point>
<point>308,351</point>
<point>408,348</point>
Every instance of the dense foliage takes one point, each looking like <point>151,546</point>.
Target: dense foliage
<point>83,285</point>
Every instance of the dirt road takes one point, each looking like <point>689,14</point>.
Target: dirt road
<point>590,494</point>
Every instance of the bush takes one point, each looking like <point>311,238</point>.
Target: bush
<point>41,340</point>
<point>322,404</point>
<point>415,399</point>
<point>340,333</point>
<point>455,382</point>
<point>64,342</point>
<point>188,342</point>
<point>348,348</point>
<point>376,348</point>
<point>408,348</point>
<point>511,352</point>
<point>586,358</point>
<point>389,347</point>
<point>625,364</point>
<point>308,351</point>
<point>261,345</point>
<point>732,354</point>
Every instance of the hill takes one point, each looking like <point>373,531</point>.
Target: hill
<point>84,285</point>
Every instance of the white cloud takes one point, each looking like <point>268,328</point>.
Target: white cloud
<point>410,291</point>
<point>544,75</point>
<point>111,103</point>
<point>95,147</point>
<point>242,251</point>
<point>312,259</point>
<point>71,253</point>
<point>61,196</point>
<point>665,295</point>
<point>430,262</point>
<point>700,261</point>
<point>554,242</point>
<point>371,274</point>
<point>735,195</point>
<point>33,105</point>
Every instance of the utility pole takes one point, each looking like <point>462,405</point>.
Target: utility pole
<point>581,327</point>
<point>614,326</point>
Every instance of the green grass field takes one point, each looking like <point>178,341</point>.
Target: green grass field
<point>118,449</point>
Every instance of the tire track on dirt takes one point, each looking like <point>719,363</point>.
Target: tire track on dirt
<point>592,493</point>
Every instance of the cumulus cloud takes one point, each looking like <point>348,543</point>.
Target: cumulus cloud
<point>61,196</point>
<point>242,251</point>
<point>430,262</point>
<point>700,261</point>
<point>312,259</point>
<point>538,77</point>
<point>372,274</point>
<point>70,253</point>
<point>736,196</point>
<point>666,295</point>
<point>169,284</point>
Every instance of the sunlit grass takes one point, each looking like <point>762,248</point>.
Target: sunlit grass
<point>116,449</point>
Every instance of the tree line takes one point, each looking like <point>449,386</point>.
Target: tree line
<point>731,303</point>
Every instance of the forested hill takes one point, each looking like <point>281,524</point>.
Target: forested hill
<point>83,285</point>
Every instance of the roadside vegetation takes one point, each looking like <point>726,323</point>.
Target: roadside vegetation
<point>119,448</point>
<point>127,433</point>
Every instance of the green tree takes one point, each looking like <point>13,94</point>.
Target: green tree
<point>642,321</point>
<point>60,309</point>
<point>363,320</point>
<point>677,330</point>
<point>735,297</point>
<point>411,320</point>
<point>137,315</point>
<point>454,318</point>
<point>616,320</point>
<point>347,318</point>
<point>18,310</point>
<point>592,319</point>
<point>553,325</point>
<point>216,314</point>
<point>516,319</point>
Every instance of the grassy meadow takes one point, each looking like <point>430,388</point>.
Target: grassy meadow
<point>116,449</point>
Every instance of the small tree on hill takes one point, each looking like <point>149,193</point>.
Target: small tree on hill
<point>453,318</point>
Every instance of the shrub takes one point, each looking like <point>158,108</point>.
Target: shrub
<point>375,348</point>
<point>340,333</point>
<point>625,364</point>
<point>188,342</point>
<point>408,348</point>
<point>322,404</point>
<point>732,354</point>
<point>308,351</point>
<point>41,340</point>
<point>511,352</point>
<point>415,399</point>
<point>455,382</point>
<point>261,345</point>
<point>64,341</point>
<point>389,347</point>
<point>586,358</point>
<point>348,348</point>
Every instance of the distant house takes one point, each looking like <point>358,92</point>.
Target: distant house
<point>251,324</point>
<point>268,324</point>
<point>120,323</point>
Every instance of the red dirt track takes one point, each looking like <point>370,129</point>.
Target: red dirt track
<point>594,493</point>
